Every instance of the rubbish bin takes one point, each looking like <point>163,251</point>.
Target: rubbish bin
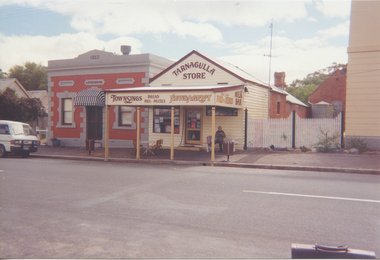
<point>90,144</point>
<point>228,149</point>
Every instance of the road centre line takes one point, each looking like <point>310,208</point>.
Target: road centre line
<point>311,196</point>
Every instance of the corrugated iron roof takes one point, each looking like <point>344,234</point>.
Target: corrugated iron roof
<point>215,88</point>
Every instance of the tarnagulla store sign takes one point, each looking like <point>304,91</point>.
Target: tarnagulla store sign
<point>205,70</point>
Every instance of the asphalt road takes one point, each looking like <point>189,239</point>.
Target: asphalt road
<point>74,209</point>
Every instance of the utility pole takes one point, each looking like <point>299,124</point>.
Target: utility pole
<point>270,66</point>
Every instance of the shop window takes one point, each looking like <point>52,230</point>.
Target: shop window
<point>278,108</point>
<point>222,111</point>
<point>162,120</point>
<point>125,116</point>
<point>67,111</point>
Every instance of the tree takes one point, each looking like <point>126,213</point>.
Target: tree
<point>3,75</point>
<point>302,89</point>
<point>19,109</point>
<point>9,110</point>
<point>31,76</point>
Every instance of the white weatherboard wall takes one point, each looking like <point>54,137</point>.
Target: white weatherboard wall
<point>233,126</point>
<point>363,74</point>
<point>175,78</point>
<point>256,101</point>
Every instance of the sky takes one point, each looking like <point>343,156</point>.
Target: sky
<point>306,36</point>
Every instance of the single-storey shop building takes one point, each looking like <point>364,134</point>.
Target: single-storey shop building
<point>191,97</point>
<point>77,101</point>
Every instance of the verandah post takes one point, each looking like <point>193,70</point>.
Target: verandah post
<point>213,134</point>
<point>245,128</point>
<point>172,135</point>
<point>107,133</point>
<point>342,144</point>
<point>138,133</point>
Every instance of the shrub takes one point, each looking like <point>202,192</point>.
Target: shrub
<point>327,143</point>
<point>358,143</point>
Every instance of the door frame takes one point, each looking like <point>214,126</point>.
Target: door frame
<point>189,141</point>
<point>94,108</point>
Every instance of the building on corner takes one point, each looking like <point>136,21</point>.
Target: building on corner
<point>76,97</point>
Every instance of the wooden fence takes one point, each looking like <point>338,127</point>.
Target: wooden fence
<point>290,132</point>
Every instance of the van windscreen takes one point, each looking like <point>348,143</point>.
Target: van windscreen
<point>19,129</point>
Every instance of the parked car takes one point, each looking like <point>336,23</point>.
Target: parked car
<point>17,138</point>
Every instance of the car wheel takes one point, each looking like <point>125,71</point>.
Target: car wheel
<point>25,154</point>
<point>2,151</point>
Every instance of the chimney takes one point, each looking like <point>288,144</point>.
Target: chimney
<point>279,80</point>
<point>125,49</point>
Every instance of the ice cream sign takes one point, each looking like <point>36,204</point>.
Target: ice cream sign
<point>194,70</point>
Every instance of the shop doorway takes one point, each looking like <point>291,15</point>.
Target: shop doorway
<point>193,133</point>
<point>94,123</point>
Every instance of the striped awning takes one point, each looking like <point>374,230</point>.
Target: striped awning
<point>90,97</point>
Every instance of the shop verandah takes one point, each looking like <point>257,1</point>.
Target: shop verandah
<point>192,110</point>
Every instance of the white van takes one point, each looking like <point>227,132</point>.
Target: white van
<point>17,138</point>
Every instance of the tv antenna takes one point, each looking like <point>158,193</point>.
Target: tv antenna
<point>270,65</point>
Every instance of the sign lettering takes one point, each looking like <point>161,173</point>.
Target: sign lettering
<point>197,65</point>
<point>229,100</point>
<point>154,99</point>
<point>194,75</point>
<point>220,99</point>
<point>238,97</point>
<point>126,99</point>
<point>190,98</point>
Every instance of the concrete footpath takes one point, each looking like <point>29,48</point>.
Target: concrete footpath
<point>368,163</point>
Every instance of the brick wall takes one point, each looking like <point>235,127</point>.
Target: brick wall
<point>274,99</point>
<point>332,89</point>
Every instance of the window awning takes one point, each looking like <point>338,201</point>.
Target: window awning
<point>90,97</point>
